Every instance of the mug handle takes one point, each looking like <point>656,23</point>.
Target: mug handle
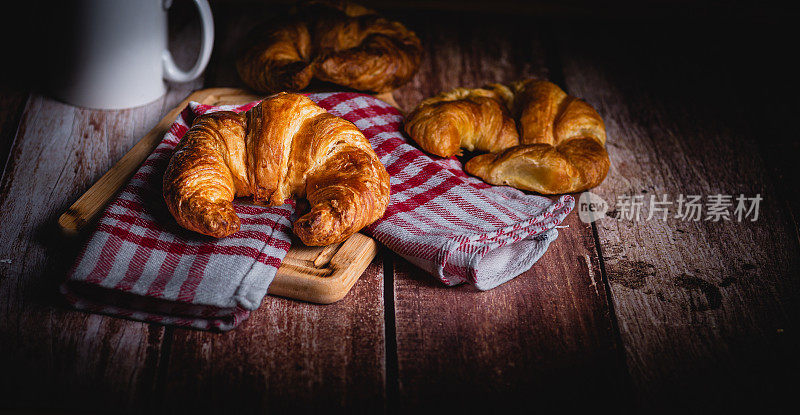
<point>171,70</point>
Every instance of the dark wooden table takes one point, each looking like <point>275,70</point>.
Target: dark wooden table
<point>626,315</point>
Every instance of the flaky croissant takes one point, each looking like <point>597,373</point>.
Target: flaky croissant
<point>474,119</point>
<point>286,146</point>
<point>561,147</point>
<point>336,42</point>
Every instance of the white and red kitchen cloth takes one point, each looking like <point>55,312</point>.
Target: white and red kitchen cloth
<point>140,264</point>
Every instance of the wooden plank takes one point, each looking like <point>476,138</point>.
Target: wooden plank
<point>487,52</point>
<point>85,210</point>
<point>539,338</point>
<point>12,104</point>
<point>52,356</point>
<point>708,311</point>
<point>545,339</point>
<point>288,355</point>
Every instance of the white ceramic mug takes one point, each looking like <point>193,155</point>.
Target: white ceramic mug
<point>117,55</point>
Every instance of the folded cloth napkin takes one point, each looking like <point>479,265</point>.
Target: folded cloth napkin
<point>140,264</point>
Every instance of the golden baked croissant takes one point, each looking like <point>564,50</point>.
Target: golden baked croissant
<point>474,119</point>
<point>286,146</point>
<point>561,138</point>
<point>336,42</point>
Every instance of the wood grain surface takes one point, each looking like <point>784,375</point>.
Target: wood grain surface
<point>54,357</point>
<point>288,355</point>
<point>542,335</point>
<point>645,316</point>
<point>12,103</point>
<point>91,362</point>
<point>707,310</point>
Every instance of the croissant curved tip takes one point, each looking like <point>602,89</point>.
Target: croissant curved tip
<point>218,224</point>
<point>317,228</point>
<point>479,165</point>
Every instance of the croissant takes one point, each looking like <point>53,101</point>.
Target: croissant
<point>286,146</point>
<point>473,119</point>
<point>337,42</point>
<point>561,139</point>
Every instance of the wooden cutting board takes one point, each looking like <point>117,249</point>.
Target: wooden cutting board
<point>316,274</point>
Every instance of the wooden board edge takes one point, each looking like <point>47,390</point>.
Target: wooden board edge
<point>346,266</point>
<point>89,205</point>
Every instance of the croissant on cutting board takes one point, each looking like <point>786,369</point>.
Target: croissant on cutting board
<point>538,137</point>
<point>286,146</point>
<point>332,41</point>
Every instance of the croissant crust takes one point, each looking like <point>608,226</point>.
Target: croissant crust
<point>286,146</point>
<point>538,137</point>
<point>336,42</point>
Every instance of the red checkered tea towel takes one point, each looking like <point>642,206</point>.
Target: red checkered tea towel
<point>140,264</point>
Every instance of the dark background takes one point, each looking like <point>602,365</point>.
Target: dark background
<point>704,52</point>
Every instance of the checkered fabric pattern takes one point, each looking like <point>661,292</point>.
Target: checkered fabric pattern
<point>141,265</point>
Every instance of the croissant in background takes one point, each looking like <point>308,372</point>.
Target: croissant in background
<point>286,146</point>
<point>474,119</point>
<point>558,145</point>
<point>337,42</point>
